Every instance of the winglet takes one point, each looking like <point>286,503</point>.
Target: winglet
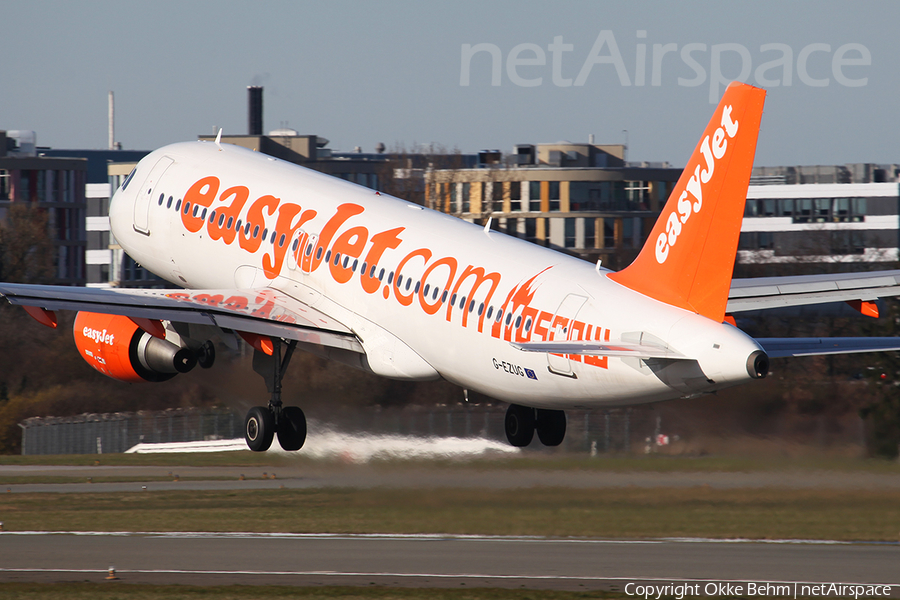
<point>688,259</point>
<point>219,139</point>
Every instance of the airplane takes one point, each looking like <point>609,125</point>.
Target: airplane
<point>288,258</point>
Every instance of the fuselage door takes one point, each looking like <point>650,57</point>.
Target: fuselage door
<point>561,330</point>
<point>295,251</point>
<point>146,194</point>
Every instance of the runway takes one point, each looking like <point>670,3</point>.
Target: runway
<point>434,561</point>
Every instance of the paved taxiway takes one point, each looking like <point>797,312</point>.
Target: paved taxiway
<point>225,558</point>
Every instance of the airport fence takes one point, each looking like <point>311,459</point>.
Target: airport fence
<point>107,433</point>
<point>587,431</point>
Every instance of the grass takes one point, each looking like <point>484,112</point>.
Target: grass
<point>529,460</point>
<point>118,591</point>
<point>199,459</point>
<point>850,515</point>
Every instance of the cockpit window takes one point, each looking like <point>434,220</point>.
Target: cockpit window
<point>128,179</point>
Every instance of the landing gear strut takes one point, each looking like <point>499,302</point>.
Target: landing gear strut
<point>522,421</point>
<point>288,422</point>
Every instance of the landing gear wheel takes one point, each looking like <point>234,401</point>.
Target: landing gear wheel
<point>259,428</point>
<point>291,428</point>
<point>519,425</point>
<point>206,355</point>
<point>551,426</point>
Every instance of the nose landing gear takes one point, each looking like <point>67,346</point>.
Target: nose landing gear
<point>287,422</point>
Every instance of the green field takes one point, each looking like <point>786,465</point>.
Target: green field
<point>608,513</point>
<point>529,460</point>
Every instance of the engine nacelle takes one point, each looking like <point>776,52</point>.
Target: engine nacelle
<point>118,348</point>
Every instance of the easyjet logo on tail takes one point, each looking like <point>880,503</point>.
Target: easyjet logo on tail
<point>712,151</point>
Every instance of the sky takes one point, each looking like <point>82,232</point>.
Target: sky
<point>459,75</point>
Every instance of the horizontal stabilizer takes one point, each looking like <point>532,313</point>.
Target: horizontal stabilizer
<point>760,293</point>
<point>600,349</point>
<point>782,347</point>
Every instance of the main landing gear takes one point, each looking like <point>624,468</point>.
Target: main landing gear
<point>264,423</point>
<point>522,421</point>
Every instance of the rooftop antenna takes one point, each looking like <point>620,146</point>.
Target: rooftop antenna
<point>112,121</point>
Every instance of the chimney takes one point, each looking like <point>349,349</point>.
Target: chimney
<point>255,110</point>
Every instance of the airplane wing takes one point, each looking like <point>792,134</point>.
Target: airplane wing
<point>263,312</point>
<point>625,349</point>
<point>776,292</point>
<point>782,347</point>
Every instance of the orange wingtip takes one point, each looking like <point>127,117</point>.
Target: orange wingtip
<point>688,259</point>
<point>259,342</point>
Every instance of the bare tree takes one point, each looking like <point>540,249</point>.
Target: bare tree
<point>26,251</point>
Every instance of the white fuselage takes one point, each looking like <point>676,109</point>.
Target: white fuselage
<point>454,280</point>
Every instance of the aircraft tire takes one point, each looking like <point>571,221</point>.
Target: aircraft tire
<point>259,428</point>
<point>292,428</point>
<point>550,426</point>
<point>519,425</point>
<point>206,355</point>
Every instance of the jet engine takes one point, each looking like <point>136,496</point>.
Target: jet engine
<point>118,348</point>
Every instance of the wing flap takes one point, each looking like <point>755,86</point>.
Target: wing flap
<point>625,349</point>
<point>783,347</point>
<point>264,312</point>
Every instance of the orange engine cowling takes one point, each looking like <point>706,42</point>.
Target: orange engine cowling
<point>118,348</point>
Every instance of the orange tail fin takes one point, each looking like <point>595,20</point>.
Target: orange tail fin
<point>688,259</point>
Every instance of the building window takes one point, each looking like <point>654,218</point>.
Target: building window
<point>554,196</point>
<point>589,240</point>
<point>531,230</point>
<point>497,196</point>
<point>857,209</point>
<point>751,208</point>
<point>534,196</point>
<point>786,207</point>
<point>466,190</point>
<point>515,196</point>
<point>570,239</point>
<point>637,192</point>
<point>580,196</point>
<point>848,242</point>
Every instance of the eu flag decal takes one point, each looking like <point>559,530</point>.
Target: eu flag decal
<point>530,374</point>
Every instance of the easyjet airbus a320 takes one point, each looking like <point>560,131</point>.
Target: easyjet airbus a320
<point>289,258</point>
